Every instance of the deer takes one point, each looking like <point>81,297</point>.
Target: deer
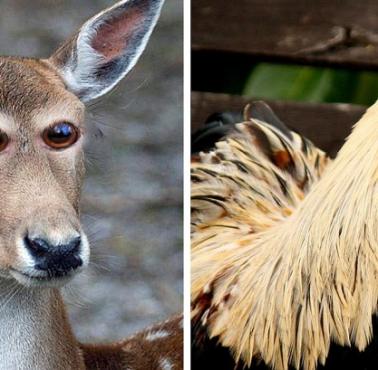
<point>42,242</point>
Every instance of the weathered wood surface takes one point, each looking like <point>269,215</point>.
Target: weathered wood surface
<point>327,125</point>
<point>336,32</point>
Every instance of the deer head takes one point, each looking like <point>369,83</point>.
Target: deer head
<point>42,131</point>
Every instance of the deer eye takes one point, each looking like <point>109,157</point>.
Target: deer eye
<point>61,135</point>
<point>4,140</point>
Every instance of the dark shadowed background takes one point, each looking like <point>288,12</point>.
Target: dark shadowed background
<point>132,199</point>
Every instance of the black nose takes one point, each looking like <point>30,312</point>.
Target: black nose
<point>57,260</point>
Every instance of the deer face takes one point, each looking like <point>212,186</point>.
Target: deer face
<point>41,162</point>
<point>42,107</point>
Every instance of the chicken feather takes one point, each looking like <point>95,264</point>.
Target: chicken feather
<point>284,258</point>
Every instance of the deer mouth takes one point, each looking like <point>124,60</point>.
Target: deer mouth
<point>48,279</point>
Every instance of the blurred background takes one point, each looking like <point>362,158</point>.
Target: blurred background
<point>286,81</point>
<point>311,84</point>
<point>132,199</point>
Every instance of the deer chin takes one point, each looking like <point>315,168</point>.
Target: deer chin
<point>43,280</point>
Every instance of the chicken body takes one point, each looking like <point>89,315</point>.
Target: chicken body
<point>263,292</point>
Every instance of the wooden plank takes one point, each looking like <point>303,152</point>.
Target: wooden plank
<point>327,125</point>
<point>337,32</point>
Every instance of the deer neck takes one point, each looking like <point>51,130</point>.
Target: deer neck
<point>34,331</point>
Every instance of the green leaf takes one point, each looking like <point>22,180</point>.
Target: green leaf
<point>311,84</point>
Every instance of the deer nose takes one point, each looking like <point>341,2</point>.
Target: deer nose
<point>58,259</point>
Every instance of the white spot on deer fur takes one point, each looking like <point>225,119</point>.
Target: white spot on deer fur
<point>159,334</point>
<point>166,364</point>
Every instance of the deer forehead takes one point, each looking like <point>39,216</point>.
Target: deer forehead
<point>33,95</point>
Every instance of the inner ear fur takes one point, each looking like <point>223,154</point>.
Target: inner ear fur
<point>107,47</point>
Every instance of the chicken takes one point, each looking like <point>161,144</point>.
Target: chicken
<point>284,243</point>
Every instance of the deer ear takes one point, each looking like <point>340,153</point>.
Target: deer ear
<point>106,48</point>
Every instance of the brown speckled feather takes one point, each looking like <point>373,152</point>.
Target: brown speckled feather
<point>255,176</point>
<point>251,181</point>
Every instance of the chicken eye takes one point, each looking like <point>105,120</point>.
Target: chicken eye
<point>4,140</point>
<point>61,135</point>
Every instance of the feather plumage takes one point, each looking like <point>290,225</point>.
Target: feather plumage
<point>282,263</point>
